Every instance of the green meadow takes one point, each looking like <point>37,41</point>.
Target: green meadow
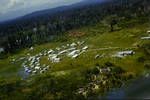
<point>69,74</point>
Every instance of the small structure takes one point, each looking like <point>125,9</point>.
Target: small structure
<point>105,70</point>
<point>28,70</point>
<point>73,44</point>
<point>95,87</point>
<point>42,71</point>
<point>31,48</point>
<point>82,92</point>
<point>50,51</point>
<point>71,49</point>
<point>40,54</point>
<point>145,38</point>
<point>58,48</point>
<point>63,46</point>
<point>97,56</point>
<point>55,60</point>
<point>37,68</point>
<point>148,31</point>
<point>34,29</point>
<point>85,48</point>
<point>34,72</point>
<point>124,53</point>
<point>1,50</point>
<point>80,43</point>
<point>61,52</point>
<point>13,60</point>
<point>75,56</point>
<point>28,54</point>
<point>82,52</point>
<point>73,52</point>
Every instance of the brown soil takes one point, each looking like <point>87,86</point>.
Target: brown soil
<point>76,34</point>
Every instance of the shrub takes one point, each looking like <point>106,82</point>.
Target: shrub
<point>141,59</point>
<point>109,64</point>
<point>147,66</point>
<point>118,70</point>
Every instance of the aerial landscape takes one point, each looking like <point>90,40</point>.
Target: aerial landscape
<point>74,50</point>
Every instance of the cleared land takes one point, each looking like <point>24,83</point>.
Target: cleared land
<point>72,71</point>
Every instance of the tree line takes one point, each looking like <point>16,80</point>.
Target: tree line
<point>27,31</point>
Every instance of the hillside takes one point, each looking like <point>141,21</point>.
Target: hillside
<point>73,72</point>
<point>85,62</point>
<point>45,25</point>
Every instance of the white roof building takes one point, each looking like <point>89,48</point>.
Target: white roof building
<point>1,50</point>
<point>145,38</point>
<point>50,51</point>
<point>73,52</point>
<point>37,68</point>
<point>71,49</point>
<point>148,31</point>
<point>63,46</point>
<point>34,71</point>
<point>31,48</point>
<point>61,52</point>
<point>75,56</point>
<point>80,43</point>
<point>97,56</point>
<point>73,44</point>
<point>124,53</point>
<point>58,48</point>
<point>55,60</point>
<point>42,71</point>
<point>85,48</point>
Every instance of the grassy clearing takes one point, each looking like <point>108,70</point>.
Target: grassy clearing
<point>96,37</point>
<point>64,78</point>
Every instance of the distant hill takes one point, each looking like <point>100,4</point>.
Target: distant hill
<point>38,27</point>
<point>35,16</point>
<point>54,10</point>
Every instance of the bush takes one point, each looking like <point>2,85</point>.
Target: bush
<point>147,66</point>
<point>141,59</point>
<point>118,70</point>
<point>3,55</point>
<point>109,64</point>
<point>95,71</point>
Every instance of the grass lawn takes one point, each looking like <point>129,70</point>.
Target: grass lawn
<point>95,37</point>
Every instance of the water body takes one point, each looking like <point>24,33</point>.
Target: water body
<point>24,75</point>
<point>138,89</point>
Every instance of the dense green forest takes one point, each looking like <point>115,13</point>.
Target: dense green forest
<point>26,32</point>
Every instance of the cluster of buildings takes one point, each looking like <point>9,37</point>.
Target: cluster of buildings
<point>72,50</point>
<point>95,83</point>
<point>32,64</point>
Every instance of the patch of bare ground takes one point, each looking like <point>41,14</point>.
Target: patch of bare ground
<point>76,34</point>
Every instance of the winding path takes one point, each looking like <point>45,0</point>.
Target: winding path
<point>110,48</point>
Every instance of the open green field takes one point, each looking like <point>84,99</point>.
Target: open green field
<point>96,37</point>
<point>72,71</point>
